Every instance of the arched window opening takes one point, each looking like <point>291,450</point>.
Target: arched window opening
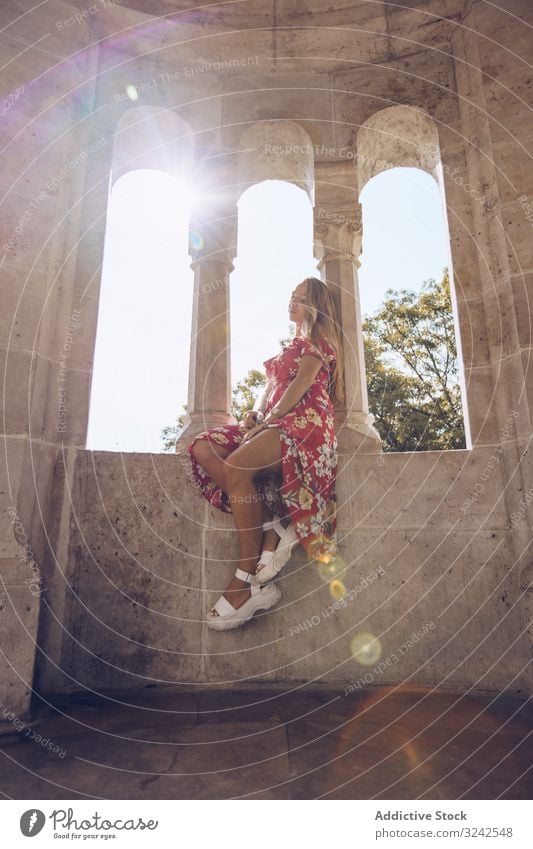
<point>418,400</point>
<point>414,371</point>
<point>275,253</point>
<point>140,371</point>
<point>140,368</point>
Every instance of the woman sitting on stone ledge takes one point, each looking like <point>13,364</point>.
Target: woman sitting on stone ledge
<point>289,439</point>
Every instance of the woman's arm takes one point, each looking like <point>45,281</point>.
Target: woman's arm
<point>307,372</point>
<point>310,365</point>
<point>255,416</point>
<point>263,398</point>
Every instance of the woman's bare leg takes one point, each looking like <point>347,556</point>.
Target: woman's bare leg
<point>261,452</point>
<point>270,537</point>
<point>211,458</point>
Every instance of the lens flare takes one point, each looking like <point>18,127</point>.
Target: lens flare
<point>366,648</point>
<point>337,589</point>
<point>132,92</point>
<point>197,240</point>
<point>330,569</point>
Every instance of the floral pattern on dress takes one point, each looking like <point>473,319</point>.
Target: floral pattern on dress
<point>304,490</point>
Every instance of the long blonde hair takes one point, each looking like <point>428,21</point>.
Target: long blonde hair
<point>320,321</point>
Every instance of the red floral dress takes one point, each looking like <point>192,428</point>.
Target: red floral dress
<point>305,491</point>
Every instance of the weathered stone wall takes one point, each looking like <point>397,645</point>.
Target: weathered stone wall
<point>222,71</point>
<point>426,532</point>
<point>46,98</point>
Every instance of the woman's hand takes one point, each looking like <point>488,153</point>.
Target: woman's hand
<point>253,432</point>
<point>250,419</point>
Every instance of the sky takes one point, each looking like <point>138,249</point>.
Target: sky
<point>141,360</point>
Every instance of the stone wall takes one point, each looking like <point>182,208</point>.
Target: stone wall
<point>424,542</point>
<point>222,71</point>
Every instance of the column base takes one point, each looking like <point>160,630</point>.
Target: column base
<point>356,433</point>
<point>197,423</point>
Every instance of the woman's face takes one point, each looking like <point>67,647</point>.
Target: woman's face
<point>297,303</point>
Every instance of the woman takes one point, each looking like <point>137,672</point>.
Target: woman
<point>291,433</point>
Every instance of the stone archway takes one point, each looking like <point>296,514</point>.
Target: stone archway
<point>149,137</point>
<point>397,136</point>
<point>276,150</point>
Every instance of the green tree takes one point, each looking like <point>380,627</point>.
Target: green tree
<point>411,368</point>
<point>246,392</point>
<point>169,433</point>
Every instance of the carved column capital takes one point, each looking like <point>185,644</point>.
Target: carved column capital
<point>337,232</point>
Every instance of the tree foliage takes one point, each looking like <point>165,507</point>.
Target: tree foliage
<point>246,392</point>
<point>412,371</point>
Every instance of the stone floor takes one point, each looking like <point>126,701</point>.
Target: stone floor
<point>263,742</point>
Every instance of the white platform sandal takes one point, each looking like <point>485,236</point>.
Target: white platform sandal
<point>262,598</point>
<point>266,556</point>
<point>272,562</point>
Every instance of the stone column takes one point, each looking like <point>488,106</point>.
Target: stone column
<point>337,240</point>
<point>500,411</point>
<point>213,245</point>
